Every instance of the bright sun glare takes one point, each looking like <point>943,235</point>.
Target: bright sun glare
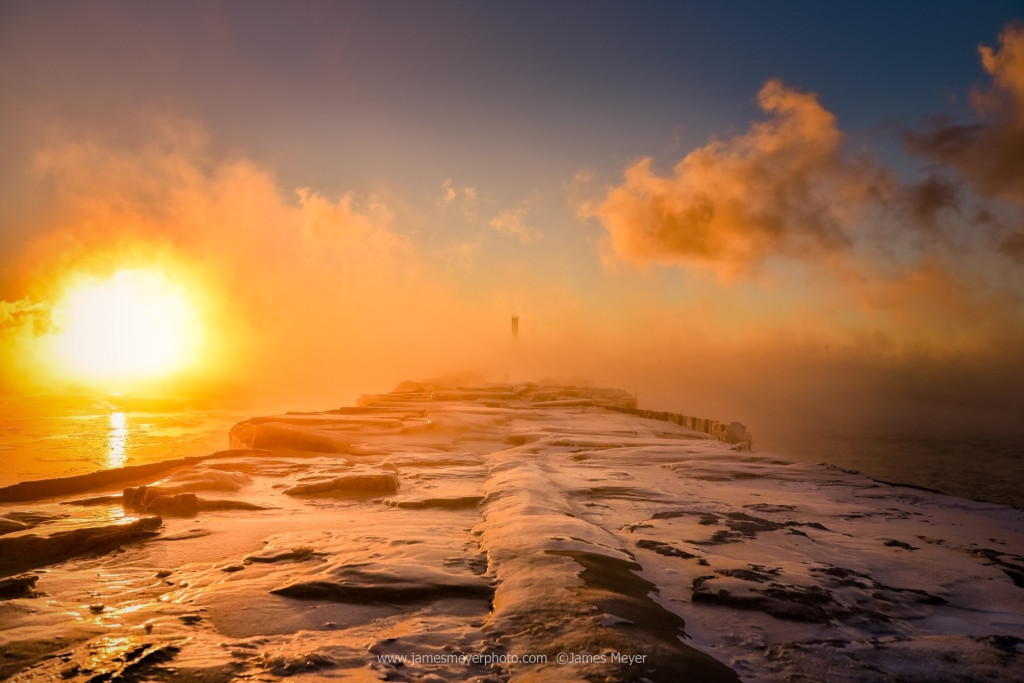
<point>136,326</point>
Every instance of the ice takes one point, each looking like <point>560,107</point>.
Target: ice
<point>503,521</point>
<point>48,488</point>
<point>18,586</point>
<point>9,525</point>
<point>361,482</point>
<point>29,550</point>
<point>281,435</point>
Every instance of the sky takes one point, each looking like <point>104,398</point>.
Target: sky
<point>806,212</point>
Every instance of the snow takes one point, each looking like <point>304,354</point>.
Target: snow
<point>467,528</point>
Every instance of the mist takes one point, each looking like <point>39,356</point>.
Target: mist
<point>316,296</point>
<point>777,275</point>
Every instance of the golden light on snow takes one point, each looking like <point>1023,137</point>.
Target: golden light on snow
<point>136,326</point>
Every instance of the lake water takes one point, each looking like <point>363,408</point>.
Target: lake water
<point>45,436</point>
<point>980,467</point>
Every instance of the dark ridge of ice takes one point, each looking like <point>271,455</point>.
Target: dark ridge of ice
<point>919,658</point>
<point>838,595</point>
<point>1013,570</point>
<point>171,500</point>
<point>110,659</point>
<point>60,486</point>
<point>540,549</point>
<point>297,554</point>
<point>385,482</point>
<point>665,549</point>
<point>441,503</point>
<point>112,499</point>
<point>9,525</point>
<point>20,553</point>
<point>329,419</point>
<point>613,586</point>
<point>280,435</point>
<point>304,663</point>
<point>795,603</point>
<point>18,586</point>
<point>394,584</point>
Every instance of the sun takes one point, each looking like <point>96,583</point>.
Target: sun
<point>136,326</point>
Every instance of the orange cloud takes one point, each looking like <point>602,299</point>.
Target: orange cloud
<point>785,187</point>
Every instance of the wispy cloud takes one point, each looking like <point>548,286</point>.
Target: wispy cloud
<point>466,196</point>
<point>482,210</point>
<point>511,222</point>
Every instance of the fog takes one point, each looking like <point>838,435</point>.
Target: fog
<point>772,276</point>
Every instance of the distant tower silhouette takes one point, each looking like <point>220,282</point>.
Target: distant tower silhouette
<point>515,328</point>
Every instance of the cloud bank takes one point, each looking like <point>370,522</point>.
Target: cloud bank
<point>790,189</point>
<point>786,187</point>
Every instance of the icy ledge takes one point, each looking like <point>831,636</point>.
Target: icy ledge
<point>503,533</point>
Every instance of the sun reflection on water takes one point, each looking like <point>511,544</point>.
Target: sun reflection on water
<point>117,440</point>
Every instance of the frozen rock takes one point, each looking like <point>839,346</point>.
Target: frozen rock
<point>9,525</point>
<point>140,497</point>
<point>48,488</point>
<point>242,435</point>
<point>278,555</point>
<point>18,586</point>
<point>23,552</point>
<point>439,503</point>
<point>279,435</point>
<point>108,658</point>
<point>796,603</point>
<point>408,387</point>
<point>394,583</point>
<point>111,499</point>
<point>304,663</point>
<point>736,432</point>
<point>918,658</point>
<point>204,479</point>
<point>556,570</point>
<point>564,403</point>
<point>177,504</point>
<point>172,500</point>
<point>384,482</point>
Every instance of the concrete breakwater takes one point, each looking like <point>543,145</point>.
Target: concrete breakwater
<point>504,395</point>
